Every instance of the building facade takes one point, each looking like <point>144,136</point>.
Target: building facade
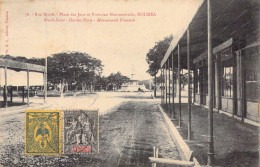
<point>235,80</point>
<point>229,33</point>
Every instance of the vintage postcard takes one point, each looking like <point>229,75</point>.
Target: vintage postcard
<point>174,81</point>
<point>43,132</point>
<point>81,131</point>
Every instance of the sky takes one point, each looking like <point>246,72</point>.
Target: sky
<point>121,46</point>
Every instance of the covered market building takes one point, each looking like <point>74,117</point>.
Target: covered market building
<point>220,50</point>
<point>7,90</point>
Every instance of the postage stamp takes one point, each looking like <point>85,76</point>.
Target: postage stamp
<point>81,131</point>
<point>43,132</point>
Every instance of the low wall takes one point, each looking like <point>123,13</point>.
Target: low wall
<point>197,98</point>
<point>252,111</point>
<point>227,104</point>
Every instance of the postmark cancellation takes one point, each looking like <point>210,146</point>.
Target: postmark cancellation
<point>81,131</point>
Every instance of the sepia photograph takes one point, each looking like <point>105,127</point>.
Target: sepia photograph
<point>114,83</point>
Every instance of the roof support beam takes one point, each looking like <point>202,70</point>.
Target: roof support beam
<point>45,80</point>
<point>28,88</point>
<point>161,86</point>
<point>163,79</point>
<point>210,87</point>
<point>166,85</point>
<point>169,74</point>
<point>189,93</point>
<point>179,81</point>
<point>5,90</point>
<point>173,107</point>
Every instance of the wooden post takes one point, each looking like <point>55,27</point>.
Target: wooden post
<point>234,87</point>
<point>45,80</point>
<point>163,82</point>
<point>157,153</point>
<point>154,155</point>
<point>3,95</point>
<point>11,95</point>
<point>169,74</point>
<point>161,85</point>
<point>239,83</point>
<point>240,86</point>
<point>210,89</point>
<point>28,88</point>
<point>166,84</point>
<point>155,86</point>
<point>217,82</point>
<point>171,162</point>
<point>43,76</point>
<point>179,80</point>
<point>194,84</point>
<point>5,90</point>
<point>23,93</point>
<point>243,101</point>
<point>201,83</point>
<point>173,108</point>
<point>189,93</point>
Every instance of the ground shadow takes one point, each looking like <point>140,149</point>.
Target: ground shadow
<point>136,97</point>
<point>235,143</point>
<point>10,104</point>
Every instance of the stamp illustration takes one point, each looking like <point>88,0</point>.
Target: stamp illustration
<point>43,132</point>
<point>80,131</point>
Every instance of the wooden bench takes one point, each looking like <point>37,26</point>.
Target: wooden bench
<point>180,163</point>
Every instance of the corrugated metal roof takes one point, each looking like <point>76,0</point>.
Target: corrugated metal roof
<point>230,19</point>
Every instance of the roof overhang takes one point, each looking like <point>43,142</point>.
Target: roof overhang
<point>20,66</point>
<point>230,19</point>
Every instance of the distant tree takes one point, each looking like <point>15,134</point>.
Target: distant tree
<point>6,57</point>
<point>146,83</point>
<point>116,80</point>
<point>102,82</point>
<point>67,67</point>
<point>38,61</point>
<point>155,56</point>
<point>184,80</point>
<point>73,67</point>
<point>159,79</point>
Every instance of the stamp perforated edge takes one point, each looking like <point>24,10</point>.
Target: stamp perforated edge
<point>60,131</point>
<point>90,109</point>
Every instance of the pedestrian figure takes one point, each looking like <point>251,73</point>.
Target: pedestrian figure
<point>139,90</point>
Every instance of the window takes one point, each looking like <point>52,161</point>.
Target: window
<point>251,69</point>
<point>227,62</point>
<point>251,86</point>
<point>196,78</point>
<point>227,80</point>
